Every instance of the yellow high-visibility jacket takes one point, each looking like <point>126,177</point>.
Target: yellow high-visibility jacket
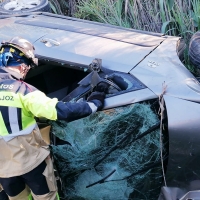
<point>21,145</point>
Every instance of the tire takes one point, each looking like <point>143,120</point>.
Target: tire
<point>43,6</point>
<point>180,49</point>
<point>194,50</point>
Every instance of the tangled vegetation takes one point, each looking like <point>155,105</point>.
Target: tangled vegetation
<point>173,17</point>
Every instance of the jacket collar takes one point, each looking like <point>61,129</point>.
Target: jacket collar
<point>9,74</point>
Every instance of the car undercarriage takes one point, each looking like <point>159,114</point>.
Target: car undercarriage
<point>144,144</point>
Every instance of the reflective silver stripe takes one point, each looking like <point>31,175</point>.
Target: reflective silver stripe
<point>13,118</point>
<point>92,106</point>
<point>23,132</point>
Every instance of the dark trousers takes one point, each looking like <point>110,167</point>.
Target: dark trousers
<point>34,179</point>
<point>3,195</point>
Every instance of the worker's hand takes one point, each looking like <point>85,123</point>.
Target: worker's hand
<point>102,87</point>
<point>97,98</point>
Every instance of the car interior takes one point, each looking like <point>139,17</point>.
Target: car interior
<point>67,82</point>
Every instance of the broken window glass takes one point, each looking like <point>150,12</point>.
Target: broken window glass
<point>112,154</point>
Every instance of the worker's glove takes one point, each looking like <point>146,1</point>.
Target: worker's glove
<point>97,98</point>
<point>102,87</point>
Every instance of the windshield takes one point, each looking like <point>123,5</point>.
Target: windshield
<point>113,154</point>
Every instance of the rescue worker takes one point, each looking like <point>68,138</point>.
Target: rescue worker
<point>25,164</point>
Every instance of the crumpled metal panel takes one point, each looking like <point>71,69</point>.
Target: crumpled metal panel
<point>183,171</point>
<point>164,66</point>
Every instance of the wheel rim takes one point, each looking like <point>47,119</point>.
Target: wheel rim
<point>16,5</point>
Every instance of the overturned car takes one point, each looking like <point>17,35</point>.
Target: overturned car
<point>144,144</point>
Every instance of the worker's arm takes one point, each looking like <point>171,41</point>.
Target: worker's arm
<point>39,105</point>
<point>72,111</point>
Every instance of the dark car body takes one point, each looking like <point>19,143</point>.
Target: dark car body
<point>150,64</point>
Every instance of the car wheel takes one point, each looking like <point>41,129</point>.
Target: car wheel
<point>23,6</point>
<point>194,50</point>
<point>180,49</point>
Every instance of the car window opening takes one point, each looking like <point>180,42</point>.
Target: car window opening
<point>69,83</point>
<point>55,81</point>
